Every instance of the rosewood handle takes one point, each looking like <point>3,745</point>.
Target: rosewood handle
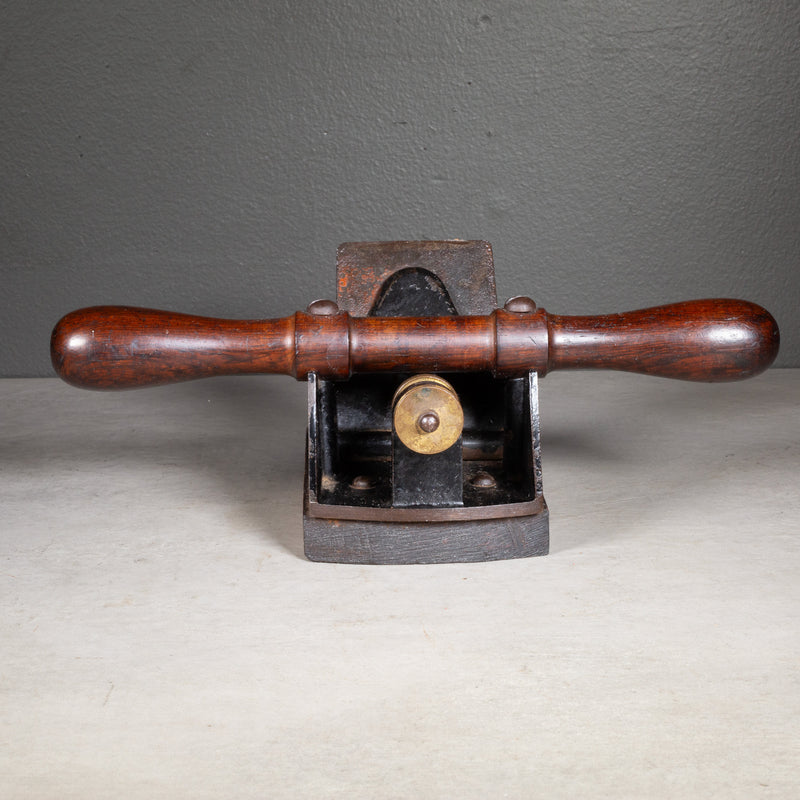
<point>699,340</point>
<point>113,347</point>
<point>119,347</point>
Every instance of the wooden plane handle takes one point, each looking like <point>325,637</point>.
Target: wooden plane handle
<point>699,340</point>
<point>118,347</point>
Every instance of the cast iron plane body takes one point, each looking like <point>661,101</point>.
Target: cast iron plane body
<point>423,421</point>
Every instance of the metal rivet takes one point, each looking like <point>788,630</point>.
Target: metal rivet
<point>323,308</point>
<point>483,480</point>
<point>428,422</point>
<point>520,305</point>
<point>362,483</point>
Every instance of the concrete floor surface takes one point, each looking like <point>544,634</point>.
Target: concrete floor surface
<point>163,636</point>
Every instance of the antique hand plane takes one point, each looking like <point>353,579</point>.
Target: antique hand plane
<point>423,416</point>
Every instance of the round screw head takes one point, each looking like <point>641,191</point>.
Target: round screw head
<point>428,422</point>
<point>483,480</point>
<point>362,483</point>
<point>323,308</point>
<point>520,305</point>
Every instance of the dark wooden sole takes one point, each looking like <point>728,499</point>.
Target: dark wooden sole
<point>371,542</point>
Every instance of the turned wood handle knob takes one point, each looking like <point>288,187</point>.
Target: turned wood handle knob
<point>119,347</point>
<point>699,340</point>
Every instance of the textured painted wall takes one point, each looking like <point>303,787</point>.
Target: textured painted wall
<point>210,156</point>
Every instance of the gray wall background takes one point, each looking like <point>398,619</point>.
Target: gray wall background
<point>210,156</point>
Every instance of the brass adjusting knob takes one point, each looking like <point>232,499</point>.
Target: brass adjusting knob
<point>428,417</point>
